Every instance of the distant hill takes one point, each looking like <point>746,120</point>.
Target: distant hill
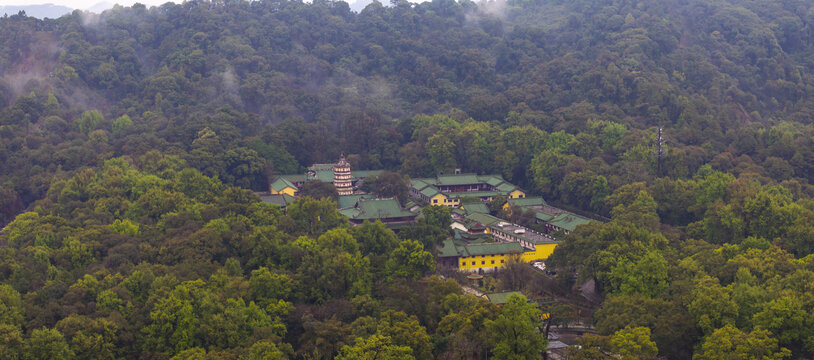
<point>99,7</point>
<point>38,11</point>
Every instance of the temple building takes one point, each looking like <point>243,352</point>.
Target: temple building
<point>342,177</point>
<point>555,219</point>
<point>448,190</point>
<point>339,174</point>
<point>387,210</point>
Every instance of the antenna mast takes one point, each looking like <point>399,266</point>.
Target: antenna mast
<point>659,153</point>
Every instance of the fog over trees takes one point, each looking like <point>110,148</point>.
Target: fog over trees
<point>132,142</point>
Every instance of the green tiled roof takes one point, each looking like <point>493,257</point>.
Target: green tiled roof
<point>294,177</point>
<point>429,191</point>
<point>281,183</point>
<point>350,212</point>
<point>472,238</point>
<point>490,249</point>
<point>282,199</point>
<point>462,179</point>
<point>418,183</point>
<point>528,235</point>
<point>527,201</point>
<point>325,176</point>
<point>379,209</point>
<point>325,173</point>
<point>474,194</point>
<point>501,297</point>
<point>448,249</point>
<point>321,172</point>
<point>506,187</point>
<point>478,207</point>
<point>484,219</point>
<point>452,248</point>
<point>347,201</point>
<point>568,221</point>
<point>492,179</point>
<point>543,216</point>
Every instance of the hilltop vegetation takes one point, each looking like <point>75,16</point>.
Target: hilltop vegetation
<point>129,142</point>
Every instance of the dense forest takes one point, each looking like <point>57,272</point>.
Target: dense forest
<point>131,142</point>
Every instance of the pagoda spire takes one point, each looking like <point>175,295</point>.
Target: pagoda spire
<point>342,177</point>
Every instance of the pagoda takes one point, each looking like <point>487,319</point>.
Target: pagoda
<point>342,177</point>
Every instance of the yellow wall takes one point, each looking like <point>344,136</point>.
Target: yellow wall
<point>465,263</point>
<point>286,190</point>
<point>517,194</point>
<point>443,200</point>
<point>542,251</point>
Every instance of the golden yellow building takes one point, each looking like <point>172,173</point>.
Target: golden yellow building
<point>481,256</point>
<point>282,186</point>
<point>476,252</point>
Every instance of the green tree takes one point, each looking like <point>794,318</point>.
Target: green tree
<point>711,305</point>
<point>730,342</point>
<point>634,343</point>
<point>790,321</point>
<point>389,184</point>
<point>515,332</point>
<point>672,328</point>
<point>374,238</point>
<point>46,344</point>
<point>440,151</point>
<point>410,260</point>
<point>633,204</point>
<point>11,306</point>
<point>174,324</point>
<point>312,216</point>
<point>646,276</point>
<point>318,190</point>
<point>122,125</point>
<point>265,350</point>
<point>266,287</point>
<point>375,347</point>
<point>89,338</point>
<point>404,330</point>
<point>546,170</point>
<point>89,121</point>
<point>332,267</point>
<point>437,215</point>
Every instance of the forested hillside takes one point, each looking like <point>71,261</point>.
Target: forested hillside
<point>129,142</point>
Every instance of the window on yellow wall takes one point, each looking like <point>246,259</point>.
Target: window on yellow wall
<point>501,261</point>
<point>473,263</point>
<point>434,201</point>
<point>493,261</point>
<point>483,262</point>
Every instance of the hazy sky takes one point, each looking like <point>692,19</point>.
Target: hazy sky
<point>83,4</point>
